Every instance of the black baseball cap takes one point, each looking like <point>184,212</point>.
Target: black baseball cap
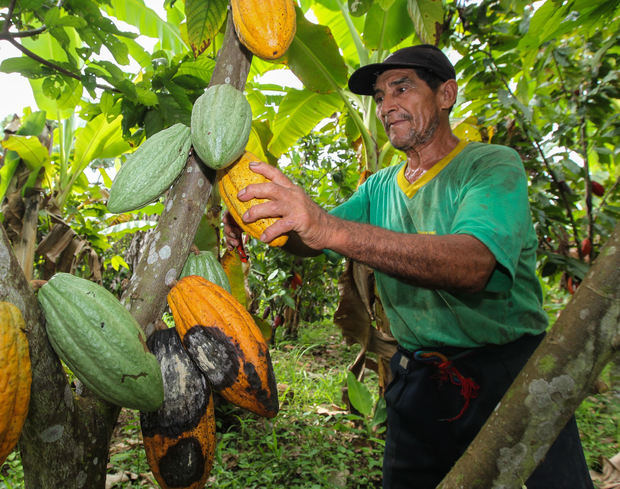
<point>425,56</point>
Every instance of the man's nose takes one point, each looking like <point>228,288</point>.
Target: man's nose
<point>387,106</point>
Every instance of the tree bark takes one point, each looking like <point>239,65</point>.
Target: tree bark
<point>556,379</point>
<point>65,440</point>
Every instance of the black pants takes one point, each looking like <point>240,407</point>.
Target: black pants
<point>424,440</point>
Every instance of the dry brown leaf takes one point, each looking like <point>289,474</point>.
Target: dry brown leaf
<point>609,478</point>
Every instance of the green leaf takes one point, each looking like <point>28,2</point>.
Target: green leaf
<point>149,24</point>
<point>200,68</point>
<point>206,238</point>
<point>314,57</point>
<point>117,262</point>
<point>9,165</point>
<point>263,325</point>
<point>289,301</point>
<point>137,52</point>
<point>29,149</point>
<point>299,112</point>
<point>427,16</point>
<point>33,124</point>
<point>384,4</point>
<point>358,8</point>
<point>69,92</point>
<point>25,66</point>
<point>130,227</point>
<point>380,415</point>
<point>100,138</point>
<point>359,395</point>
<point>345,34</point>
<point>385,29</point>
<point>232,265</point>
<point>204,22</point>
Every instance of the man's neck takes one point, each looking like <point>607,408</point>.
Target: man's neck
<point>423,158</point>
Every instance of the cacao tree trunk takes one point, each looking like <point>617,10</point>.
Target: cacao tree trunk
<point>65,440</point>
<point>556,379</point>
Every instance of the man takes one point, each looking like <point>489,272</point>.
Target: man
<point>450,236</point>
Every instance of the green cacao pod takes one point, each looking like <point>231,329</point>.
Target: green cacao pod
<point>15,377</point>
<point>179,438</point>
<point>101,342</point>
<point>220,125</point>
<point>151,169</point>
<point>206,265</point>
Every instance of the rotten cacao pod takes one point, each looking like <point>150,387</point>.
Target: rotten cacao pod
<point>233,179</point>
<point>179,437</point>
<point>266,27</point>
<point>226,344</point>
<point>15,377</point>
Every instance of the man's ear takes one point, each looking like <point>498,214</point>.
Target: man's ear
<point>447,91</point>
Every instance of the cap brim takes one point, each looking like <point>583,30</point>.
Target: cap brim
<point>362,81</point>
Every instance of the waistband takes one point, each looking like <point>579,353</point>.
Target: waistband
<point>455,352</point>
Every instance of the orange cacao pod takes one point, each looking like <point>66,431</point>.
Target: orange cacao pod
<point>265,27</point>
<point>233,179</point>
<point>226,344</point>
<point>15,377</point>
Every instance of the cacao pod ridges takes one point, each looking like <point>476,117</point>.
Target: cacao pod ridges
<point>226,344</point>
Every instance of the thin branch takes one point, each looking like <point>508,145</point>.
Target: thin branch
<point>9,14</point>
<point>586,168</point>
<point>54,66</point>
<point>29,33</point>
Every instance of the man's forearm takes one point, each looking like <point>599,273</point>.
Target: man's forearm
<point>451,262</point>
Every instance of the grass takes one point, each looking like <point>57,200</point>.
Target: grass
<point>313,443</point>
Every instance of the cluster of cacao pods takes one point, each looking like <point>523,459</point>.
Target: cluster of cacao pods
<point>215,346</point>
<point>220,123</point>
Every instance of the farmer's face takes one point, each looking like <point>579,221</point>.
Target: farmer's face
<point>407,107</point>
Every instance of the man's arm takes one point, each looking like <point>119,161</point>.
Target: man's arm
<point>452,262</point>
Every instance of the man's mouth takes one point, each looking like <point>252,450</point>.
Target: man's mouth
<point>395,122</point>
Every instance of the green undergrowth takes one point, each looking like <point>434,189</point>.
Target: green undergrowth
<point>313,442</point>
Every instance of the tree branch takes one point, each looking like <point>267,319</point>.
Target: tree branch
<point>9,14</point>
<point>30,33</point>
<point>551,386</point>
<point>54,66</point>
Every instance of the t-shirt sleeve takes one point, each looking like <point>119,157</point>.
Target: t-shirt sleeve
<point>355,209</point>
<point>494,208</point>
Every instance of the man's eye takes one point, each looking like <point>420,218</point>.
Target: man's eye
<point>378,100</point>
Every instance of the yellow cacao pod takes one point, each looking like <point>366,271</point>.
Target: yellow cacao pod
<point>265,27</point>
<point>15,377</point>
<point>233,179</point>
<point>225,343</point>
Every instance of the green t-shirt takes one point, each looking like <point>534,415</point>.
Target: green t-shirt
<point>480,190</point>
